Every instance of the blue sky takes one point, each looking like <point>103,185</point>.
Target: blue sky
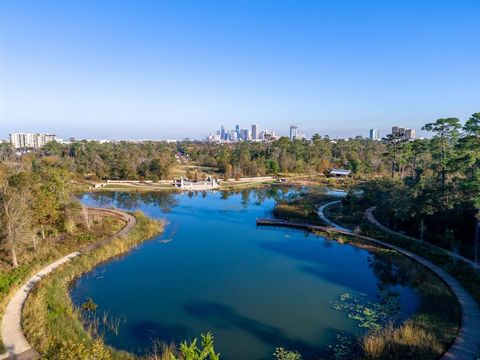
<point>169,69</point>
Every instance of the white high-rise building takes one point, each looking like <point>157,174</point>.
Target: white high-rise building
<point>30,140</point>
<point>404,133</point>
<point>410,134</point>
<point>374,134</point>
<point>293,132</point>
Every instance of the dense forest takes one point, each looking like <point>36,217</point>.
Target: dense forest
<point>156,160</point>
<point>316,156</point>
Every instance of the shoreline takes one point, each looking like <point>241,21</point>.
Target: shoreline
<point>19,343</point>
<point>168,185</point>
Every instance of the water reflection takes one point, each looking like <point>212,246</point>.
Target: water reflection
<point>166,200</point>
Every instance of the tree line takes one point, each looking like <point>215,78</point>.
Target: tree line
<point>155,160</point>
<point>152,160</point>
<point>318,155</point>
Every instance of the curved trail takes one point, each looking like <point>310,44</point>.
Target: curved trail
<point>321,214</point>
<point>12,333</point>
<point>467,343</point>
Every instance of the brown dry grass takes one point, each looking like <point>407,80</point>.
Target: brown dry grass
<point>410,339</point>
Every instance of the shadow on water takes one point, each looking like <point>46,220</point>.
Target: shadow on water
<point>147,331</point>
<point>324,265</point>
<point>386,269</point>
<point>226,317</point>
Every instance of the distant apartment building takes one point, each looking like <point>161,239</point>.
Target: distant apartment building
<point>254,132</point>
<point>293,132</point>
<point>30,140</point>
<point>410,134</point>
<point>267,135</point>
<point>374,134</point>
<point>404,133</point>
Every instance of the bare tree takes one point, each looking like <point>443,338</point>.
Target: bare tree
<point>15,218</point>
<point>86,216</point>
<point>16,221</point>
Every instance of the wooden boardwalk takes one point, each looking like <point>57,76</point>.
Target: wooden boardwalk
<point>293,224</point>
<point>467,343</point>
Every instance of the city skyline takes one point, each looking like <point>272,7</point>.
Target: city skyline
<point>236,134</point>
<point>172,70</point>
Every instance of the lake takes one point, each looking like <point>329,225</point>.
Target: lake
<point>255,288</point>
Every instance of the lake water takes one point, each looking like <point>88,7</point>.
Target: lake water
<point>214,270</point>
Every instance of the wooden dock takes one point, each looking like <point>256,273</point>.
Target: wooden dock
<point>298,225</point>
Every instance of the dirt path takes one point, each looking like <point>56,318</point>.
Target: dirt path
<point>12,333</point>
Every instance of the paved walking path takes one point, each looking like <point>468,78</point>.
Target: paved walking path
<point>329,222</point>
<point>467,343</point>
<point>12,333</point>
<point>374,221</point>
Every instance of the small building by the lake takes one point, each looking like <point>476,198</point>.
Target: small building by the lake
<point>339,173</point>
<point>185,184</point>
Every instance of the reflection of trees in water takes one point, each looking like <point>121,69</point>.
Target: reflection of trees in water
<point>388,270</point>
<point>260,195</point>
<point>394,269</point>
<point>127,200</point>
<point>166,200</point>
<point>224,195</point>
<point>245,196</point>
<point>103,199</point>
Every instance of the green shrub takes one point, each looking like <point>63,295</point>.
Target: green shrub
<point>283,354</point>
<point>193,352</point>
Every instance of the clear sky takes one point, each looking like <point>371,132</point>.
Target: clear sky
<point>170,69</point>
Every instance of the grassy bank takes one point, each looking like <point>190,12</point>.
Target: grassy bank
<point>51,322</point>
<point>303,208</point>
<point>49,250</point>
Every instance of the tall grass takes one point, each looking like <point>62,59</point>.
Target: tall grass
<point>411,340</point>
<point>426,334</point>
<point>49,313</point>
